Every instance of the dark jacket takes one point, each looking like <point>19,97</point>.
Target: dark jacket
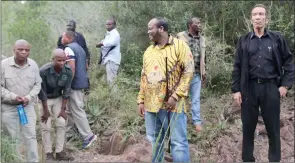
<point>281,53</point>
<point>79,38</point>
<point>80,80</point>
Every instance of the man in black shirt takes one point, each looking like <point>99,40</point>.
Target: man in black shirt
<point>263,72</point>
<point>54,94</point>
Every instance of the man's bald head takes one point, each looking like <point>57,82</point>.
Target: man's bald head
<point>21,50</point>
<point>58,58</point>
<point>58,53</point>
<point>22,42</point>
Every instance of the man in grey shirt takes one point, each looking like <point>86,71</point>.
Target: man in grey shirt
<point>20,84</point>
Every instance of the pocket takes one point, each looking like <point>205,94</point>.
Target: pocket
<point>10,80</point>
<point>30,79</point>
<point>61,83</point>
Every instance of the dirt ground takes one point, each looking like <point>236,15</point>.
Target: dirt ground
<point>226,148</point>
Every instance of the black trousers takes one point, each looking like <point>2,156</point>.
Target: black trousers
<point>266,96</point>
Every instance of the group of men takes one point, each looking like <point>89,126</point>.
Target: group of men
<point>59,85</point>
<point>173,70</point>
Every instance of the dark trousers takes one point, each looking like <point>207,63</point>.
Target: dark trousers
<point>266,96</point>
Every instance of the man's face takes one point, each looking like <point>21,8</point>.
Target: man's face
<point>59,61</point>
<point>64,39</point>
<point>22,51</point>
<point>153,31</point>
<point>71,26</point>
<point>196,26</point>
<point>109,25</point>
<point>258,17</point>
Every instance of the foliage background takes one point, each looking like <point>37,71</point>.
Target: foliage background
<point>41,22</point>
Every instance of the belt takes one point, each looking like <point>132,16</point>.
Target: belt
<point>263,80</point>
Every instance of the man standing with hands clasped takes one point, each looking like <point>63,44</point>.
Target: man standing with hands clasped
<point>54,94</point>
<point>20,84</point>
<point>263,72</point>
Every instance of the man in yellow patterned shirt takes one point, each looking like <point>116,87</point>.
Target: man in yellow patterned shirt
<point>168,68</point>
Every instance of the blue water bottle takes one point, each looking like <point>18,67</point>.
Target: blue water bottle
<point>22,115</point>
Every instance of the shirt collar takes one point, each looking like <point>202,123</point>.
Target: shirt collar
<point>169,42</point>
<point>266,33</point>
<point>52,71</point>
<point>13,63</point>
<point>190,35</point>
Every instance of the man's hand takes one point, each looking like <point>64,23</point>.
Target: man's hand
<point>283,91</point>
<point>238,98</point>
<point>19,99</point>
<point>141,110</point>
<point>63,114</point>
<point>99,45</point>
<point>170,104</point>
<point>45,115</point>
<point>25,101</point>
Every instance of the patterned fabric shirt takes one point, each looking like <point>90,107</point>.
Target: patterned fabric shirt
<point>196,44</point>
<point>180,65</point>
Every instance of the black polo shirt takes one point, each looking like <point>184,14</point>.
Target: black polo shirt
<point>262,64</point>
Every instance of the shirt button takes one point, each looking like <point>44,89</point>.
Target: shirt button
<point>259,56</point>
<point>259,47</point>
<point>258,65</point>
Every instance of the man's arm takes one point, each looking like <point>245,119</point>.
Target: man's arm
<point>143,82</point>
<point>67,90</point>
<point>112,40</point>
<point>236,74</point>
<point>287,63</point>
<point>6,95</point>
<point>42,94</point>
<point>202,59</point>
<point>37,85</point>
<point>186,59</point>
<point>71,60</point>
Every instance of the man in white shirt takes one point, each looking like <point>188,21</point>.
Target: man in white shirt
<point>110,51</point>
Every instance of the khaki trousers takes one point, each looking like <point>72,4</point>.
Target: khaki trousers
<point>54,107</point>
<point>12,126</point>
<point>77,116</point>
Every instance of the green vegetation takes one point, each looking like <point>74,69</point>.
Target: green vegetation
<point>223,22</point>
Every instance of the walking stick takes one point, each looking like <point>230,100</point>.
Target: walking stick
<point>166,100</point>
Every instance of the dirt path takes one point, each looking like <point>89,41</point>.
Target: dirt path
<point>227,148</point>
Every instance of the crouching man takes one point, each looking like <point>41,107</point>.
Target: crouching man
<point>56,86</point>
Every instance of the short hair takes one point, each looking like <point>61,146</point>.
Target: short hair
<point>73,21</point>
<point>162,22</point>
<point>190,21</point>
<point>262,6</point>
<point>70,34</point>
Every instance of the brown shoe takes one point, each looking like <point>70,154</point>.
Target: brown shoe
<point>49,157</point>
<point>63,156</point>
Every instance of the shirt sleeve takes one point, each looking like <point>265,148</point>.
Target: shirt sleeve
<point>67,90</point>
<point>37,86</point>
<point>6,95</point>
<point>112,40</point>
<point>70,54</point>
<point>42,94</point>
